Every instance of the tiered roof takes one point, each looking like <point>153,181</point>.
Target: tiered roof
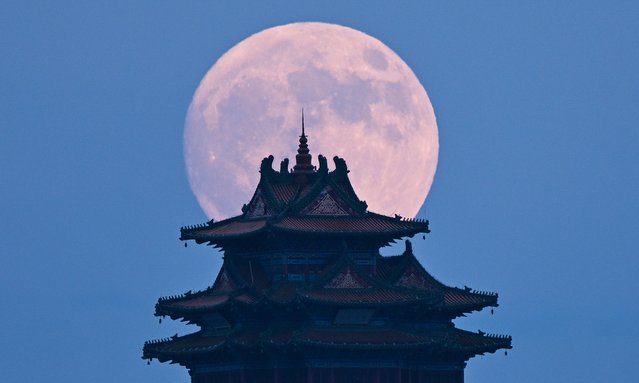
<point>387,304</point>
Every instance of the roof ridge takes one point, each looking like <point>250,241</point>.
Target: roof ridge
<point>341,171</point>
<point>269,193</point>
<point>353,201</point>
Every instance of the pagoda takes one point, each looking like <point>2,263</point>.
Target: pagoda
<point>303,294</point>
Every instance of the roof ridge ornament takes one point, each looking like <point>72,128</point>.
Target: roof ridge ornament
<point>303,158</point>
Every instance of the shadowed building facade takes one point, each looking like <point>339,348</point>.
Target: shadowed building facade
<point>304,295</point>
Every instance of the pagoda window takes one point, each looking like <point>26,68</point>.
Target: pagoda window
<point>353,316</point>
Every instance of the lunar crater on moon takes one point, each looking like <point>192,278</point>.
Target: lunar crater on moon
<point>361,102</point>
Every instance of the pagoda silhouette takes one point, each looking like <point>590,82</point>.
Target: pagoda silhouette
<point>304,295</point>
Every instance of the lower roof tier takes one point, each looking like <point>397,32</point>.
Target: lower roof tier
<point>451,342</point>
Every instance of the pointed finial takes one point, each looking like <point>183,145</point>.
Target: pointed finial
<point>303,158</point>
<point>303,122</point>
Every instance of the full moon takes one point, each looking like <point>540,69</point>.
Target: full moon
<point>361,102</point>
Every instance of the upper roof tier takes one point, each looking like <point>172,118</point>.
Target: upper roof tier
<point>305,200</point>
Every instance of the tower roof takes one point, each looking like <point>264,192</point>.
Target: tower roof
<point>307,200</point>
<point>302,277</point>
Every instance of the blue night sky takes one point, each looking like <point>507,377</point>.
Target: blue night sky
<point>535,196</point>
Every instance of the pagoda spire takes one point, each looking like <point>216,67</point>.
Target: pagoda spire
<point>303,122</point>
<point>303,158</point>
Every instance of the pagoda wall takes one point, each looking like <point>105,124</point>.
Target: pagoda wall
<point>330,375</point>
<point>294,265</point>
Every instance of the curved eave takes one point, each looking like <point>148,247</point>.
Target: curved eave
<point>191,312</point>
<point>222,239</point>
<point>454,342</point>
<point>476,302</point>
<point>458,342</point>
<point>229,229</point>
<point>369,224</point>
<point>472,344</point>
<point>169,350</point>
<point>177,311</point>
